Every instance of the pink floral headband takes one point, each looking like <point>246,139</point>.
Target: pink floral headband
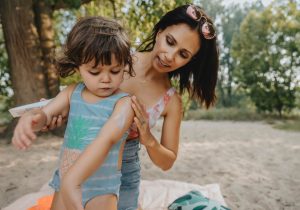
<point>207,28</point>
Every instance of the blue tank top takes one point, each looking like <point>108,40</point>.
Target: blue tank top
<point>84,124</point>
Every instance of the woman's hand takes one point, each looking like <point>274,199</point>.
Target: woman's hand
<point>141,120</point>
<point>56,122</point>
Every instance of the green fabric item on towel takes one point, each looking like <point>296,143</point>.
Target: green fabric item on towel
<point>194,200</point>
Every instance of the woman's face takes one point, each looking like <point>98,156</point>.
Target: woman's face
<point>175,46</point>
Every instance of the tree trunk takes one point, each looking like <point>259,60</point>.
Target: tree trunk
<point>23,48</point>
<point>43,22</point>
<point>220,85</point>
<point>29,41</point>
<point>230,80</point>
<point>24,54</point>
<point>113,3</point>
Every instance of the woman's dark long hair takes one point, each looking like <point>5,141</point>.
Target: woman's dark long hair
<point>199,76</point>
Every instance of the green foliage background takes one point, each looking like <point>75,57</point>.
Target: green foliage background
<point>4,75</point>
<point>267,57</point>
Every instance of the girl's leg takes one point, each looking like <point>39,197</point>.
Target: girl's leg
<point>57,203</point>
<point>102,202</point>
<point>130,180</point>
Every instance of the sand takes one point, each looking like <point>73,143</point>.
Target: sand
<point>257,167</point>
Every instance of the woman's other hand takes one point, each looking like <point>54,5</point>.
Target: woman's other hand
<point>56,121</point>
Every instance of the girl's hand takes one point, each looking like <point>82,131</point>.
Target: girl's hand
<point>28,123</point>
<point>141,120</point>
<point>56,121</point>
<point>71,195</point>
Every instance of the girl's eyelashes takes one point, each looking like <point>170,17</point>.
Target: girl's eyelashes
<point>98,72</point>
<point>94,73</point>
<point>115,72</point>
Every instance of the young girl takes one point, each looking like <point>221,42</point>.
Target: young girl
<point>98,111</point>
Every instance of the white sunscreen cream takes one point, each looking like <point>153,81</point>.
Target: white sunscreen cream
<point>122,115</point>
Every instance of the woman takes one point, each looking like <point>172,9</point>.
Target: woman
<point>182,46</point>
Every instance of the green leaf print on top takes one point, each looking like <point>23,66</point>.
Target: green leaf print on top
<point>75,143</point>
<point>77,131</point>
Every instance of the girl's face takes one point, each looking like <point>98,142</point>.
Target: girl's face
<point>102,80</point>
<point>175,46</point>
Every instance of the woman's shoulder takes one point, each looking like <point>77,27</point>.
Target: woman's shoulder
<point>174,105</point>
<point>175,97</point>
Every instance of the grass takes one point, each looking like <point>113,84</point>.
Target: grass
<point>289,122</point>
<point>234,114</point>
<point>290,125</point>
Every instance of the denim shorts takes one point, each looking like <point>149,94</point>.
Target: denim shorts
<point>131,177</point>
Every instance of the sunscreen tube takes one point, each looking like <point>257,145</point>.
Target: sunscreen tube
<point>18,111</point>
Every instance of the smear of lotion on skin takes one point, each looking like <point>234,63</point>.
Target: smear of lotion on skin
<point>122,115</point>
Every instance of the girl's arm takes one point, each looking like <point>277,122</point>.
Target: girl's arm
<point>60,105</point>
<point>94,155</point>
<point>36,119</point>
<point>162,154</point>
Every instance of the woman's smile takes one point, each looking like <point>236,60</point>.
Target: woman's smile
<point>161,63</point>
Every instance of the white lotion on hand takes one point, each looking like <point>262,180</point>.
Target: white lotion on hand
<point>18,111</point>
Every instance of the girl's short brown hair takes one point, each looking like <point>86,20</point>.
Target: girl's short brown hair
<point>94,38</point>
